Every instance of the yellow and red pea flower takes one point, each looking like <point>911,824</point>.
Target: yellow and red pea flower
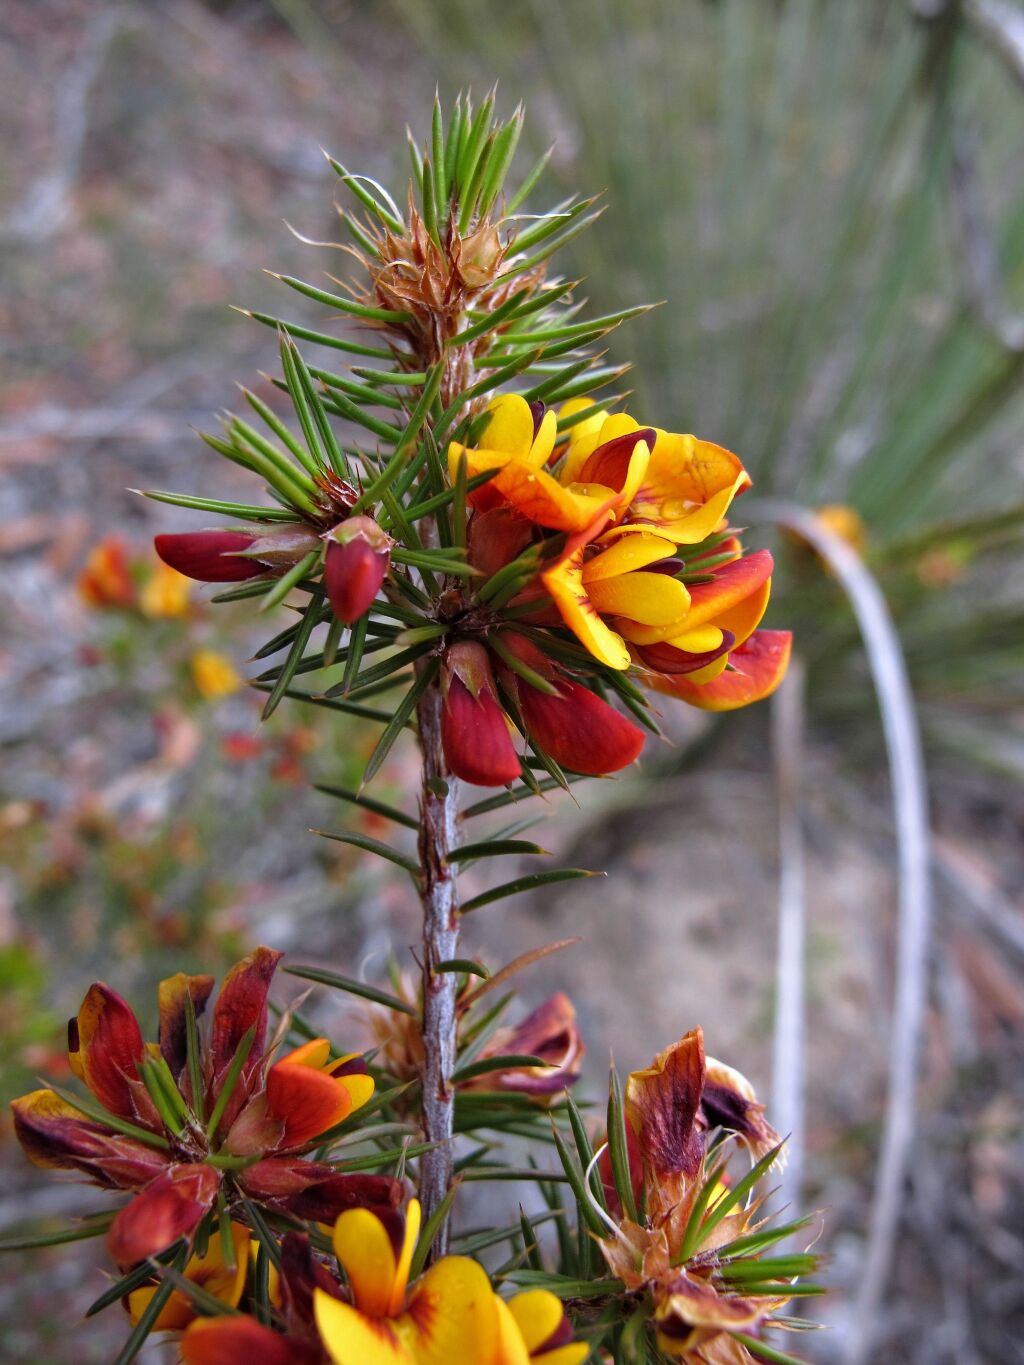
<point>629,497</point>
<point>450,1313</point>
<point>275,1112</point>
<point>209,1272</point>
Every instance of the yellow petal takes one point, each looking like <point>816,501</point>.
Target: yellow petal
<point>626,553</point>
<point>452,1316</point>
<point>695,470</point>
<point>544,441</point>
<point>362,1245</point>
<point>314,1053</point>
<point>712,670</point>
<point>413,1218</point>
<point>702,640</point>
<point>538,1314</point>
<point>565,584</point>
<point>511,426</point>
<point>653,599</point>
<point>360,1088</point>
<point>589,425</point>
<point>511,1346</point>
<point>352,1339</point>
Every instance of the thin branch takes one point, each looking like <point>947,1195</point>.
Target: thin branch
<point>910,801</point>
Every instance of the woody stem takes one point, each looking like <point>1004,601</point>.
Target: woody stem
<point>439,896</point>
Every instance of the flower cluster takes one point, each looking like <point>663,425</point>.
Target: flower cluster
<point>685,1233</point>
<point>189,1124</point>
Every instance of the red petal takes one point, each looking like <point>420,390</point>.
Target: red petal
<point>107,1041</point>
<point>315,1192</point>
<point>477,744</point>
<point>226,1341</point>
<point>609,463</point>
<point>209,556</point>
<point>53,1134</point>
<point>579,730</point>
<point>496,537</point>
<point>755,670</point>
<point>171,1206</point>
<point>353,573</point>
<point>665,658</point>
<point>242,1004</point>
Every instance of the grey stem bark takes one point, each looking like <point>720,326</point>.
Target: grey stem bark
<point>439,894</point>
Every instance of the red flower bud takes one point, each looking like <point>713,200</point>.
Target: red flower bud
<point>357,562</point>
<point>210,556</point>
<point>576,728</point>
<point>477,744</point>
<point>171,1206</point>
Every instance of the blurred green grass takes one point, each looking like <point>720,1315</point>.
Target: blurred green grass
<point>779,175</point>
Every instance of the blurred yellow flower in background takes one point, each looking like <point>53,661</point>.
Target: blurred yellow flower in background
<point>213,675</point>
<point>165,592</point>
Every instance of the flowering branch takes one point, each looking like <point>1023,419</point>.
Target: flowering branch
<point>522,566</point>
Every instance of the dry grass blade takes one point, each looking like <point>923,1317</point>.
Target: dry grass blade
<point>910,802</point>
<point>788,1071</point>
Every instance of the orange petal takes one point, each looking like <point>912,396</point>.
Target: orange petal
<point>306,1101</point>
<point>544,500</point>
<point>755,671</point>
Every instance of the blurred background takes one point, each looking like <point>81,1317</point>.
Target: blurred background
<point>828,195</point>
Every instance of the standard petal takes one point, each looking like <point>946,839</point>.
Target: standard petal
<point>661,1105</point>
<point>452,1315</point>
<point>368,1252</point>
<point>108,1042</point>
<point>241,1005</point>
<point>306,1101</point>
<point>173,1032</point>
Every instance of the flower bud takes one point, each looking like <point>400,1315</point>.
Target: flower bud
<point>210,556</point>
<point>356,564</point>
<point>573,726</point>
<point>474,732</point>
